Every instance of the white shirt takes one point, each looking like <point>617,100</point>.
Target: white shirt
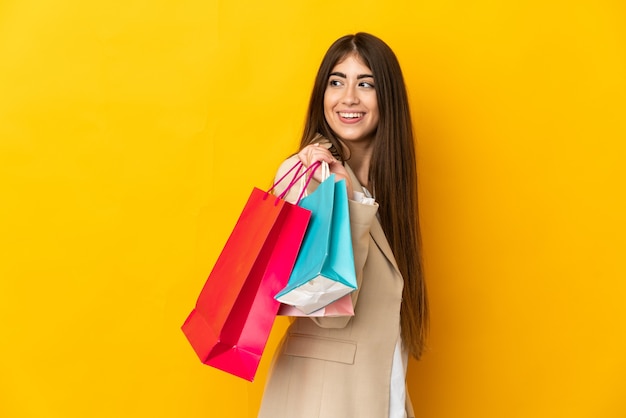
<point>397,395</point>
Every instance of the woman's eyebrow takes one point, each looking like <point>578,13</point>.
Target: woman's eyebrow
<point>358,77</point>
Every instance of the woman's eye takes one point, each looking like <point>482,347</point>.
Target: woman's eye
<point>334,83</point>
<point>366,85</point>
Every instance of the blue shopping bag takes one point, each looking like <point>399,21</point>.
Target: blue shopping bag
<point>324,270</point>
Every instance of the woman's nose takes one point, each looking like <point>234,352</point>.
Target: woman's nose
<point>350,96</point>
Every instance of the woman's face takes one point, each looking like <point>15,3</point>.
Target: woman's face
<point>350,103</point>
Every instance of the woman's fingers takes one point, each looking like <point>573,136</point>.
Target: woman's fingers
<point>314,153</point>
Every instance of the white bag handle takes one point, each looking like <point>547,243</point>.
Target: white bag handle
<point>325,175</point>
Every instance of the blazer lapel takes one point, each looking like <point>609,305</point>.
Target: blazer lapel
<point>376,230</point>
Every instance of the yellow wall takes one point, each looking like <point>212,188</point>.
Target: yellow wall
<point>131,133</point>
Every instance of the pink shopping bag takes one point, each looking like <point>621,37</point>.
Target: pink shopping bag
<point>341,307</point>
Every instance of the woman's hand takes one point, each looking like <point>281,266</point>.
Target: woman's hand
<point>315,152</point>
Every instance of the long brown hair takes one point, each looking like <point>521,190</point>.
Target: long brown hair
<point>393,169</point>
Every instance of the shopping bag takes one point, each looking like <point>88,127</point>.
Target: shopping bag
<point>235,311</point>
<point>324,269</point>
<point>341,307</point>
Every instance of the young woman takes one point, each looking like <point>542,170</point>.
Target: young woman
<point>358,121</point>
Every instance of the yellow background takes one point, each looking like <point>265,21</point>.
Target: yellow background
<point>131,133</point>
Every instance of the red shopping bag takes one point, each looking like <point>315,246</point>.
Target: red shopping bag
<point>235,311</point>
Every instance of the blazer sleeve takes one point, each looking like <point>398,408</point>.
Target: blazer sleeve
<point>361,218</point>
<point>279,188</point>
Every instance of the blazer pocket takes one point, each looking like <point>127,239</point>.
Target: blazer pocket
<point>340,351</point>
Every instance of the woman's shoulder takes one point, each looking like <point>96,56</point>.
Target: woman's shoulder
<point>286,165</point>
<point>293,158</point>
<point>322,140</point>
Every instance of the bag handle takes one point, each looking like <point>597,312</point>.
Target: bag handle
<point>325,175</point>
<point>312,167</point>
<point>296,177</point>
<point>296,165</point>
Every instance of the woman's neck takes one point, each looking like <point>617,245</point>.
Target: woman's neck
<point>360,155</point>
